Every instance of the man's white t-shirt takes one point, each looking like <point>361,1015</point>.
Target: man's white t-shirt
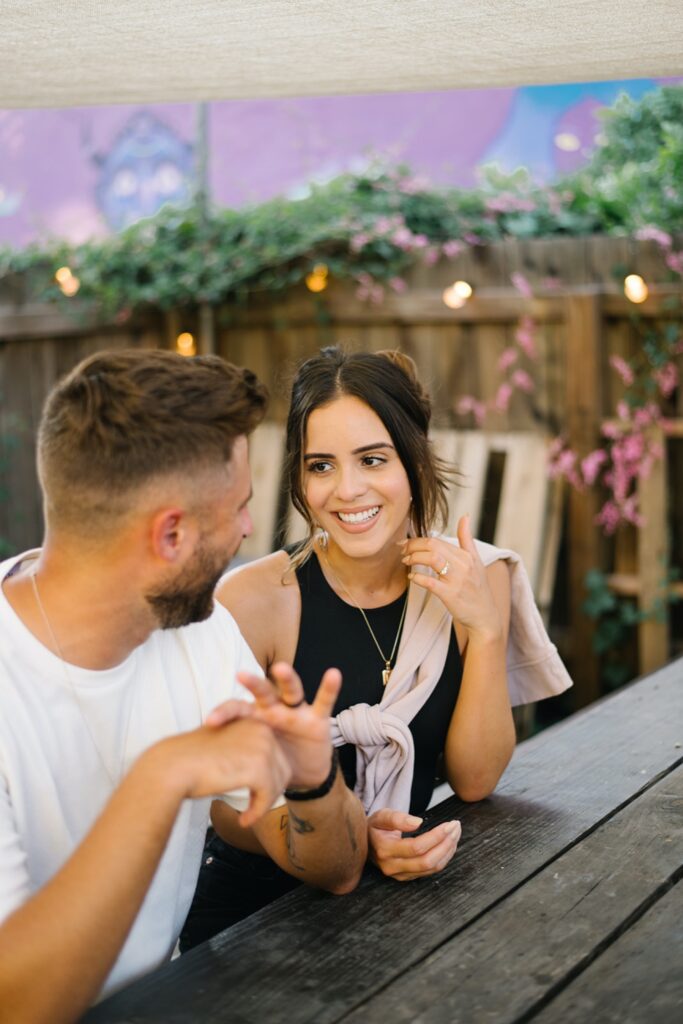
<point>54,784</point>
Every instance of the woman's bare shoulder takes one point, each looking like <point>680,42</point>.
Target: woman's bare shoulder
<point>263,598</point>
<point>263,581</point>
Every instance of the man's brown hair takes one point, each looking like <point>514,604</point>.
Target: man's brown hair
<point>120,419</point>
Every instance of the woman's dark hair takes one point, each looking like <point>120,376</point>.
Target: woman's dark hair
<point>387,382</point>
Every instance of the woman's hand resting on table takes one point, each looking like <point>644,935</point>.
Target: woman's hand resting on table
<point>407,858</point>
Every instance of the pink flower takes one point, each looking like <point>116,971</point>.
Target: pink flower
<point>507,358</point>
<point>383,225</point>
<point>468,404</point>
<point>503,396</point>
<point>471,238</point>
<point>647,414</point>
<point>451,249</point>
<point>674,260</point>
<point>610,430</point>
<point>398,285</point>
<point>420,241</point>
<point>590,466</point>
<point>522,380</point>
<point>623,411</point>
<point>520,282</point>
<point>623,369</point>
<point>667,378</point>
<point>609,517</point>
<point>359,242</point>
<point>630,512</point>
<point>431,255</point>
<point>524,336</point>
<point>650,233</point>
<point>402,238</point>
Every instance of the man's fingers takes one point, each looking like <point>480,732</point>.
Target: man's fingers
<point>328,691</point>
<point>229,711</point>
<point>288,684</point>
<point>262,689</point>
<point>259,803</point>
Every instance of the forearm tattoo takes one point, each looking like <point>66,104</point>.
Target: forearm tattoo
<point>290,824</point>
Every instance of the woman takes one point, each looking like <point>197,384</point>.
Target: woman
<point>416,622</point>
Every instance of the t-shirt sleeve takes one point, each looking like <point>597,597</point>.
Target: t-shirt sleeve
<point>15,885</point>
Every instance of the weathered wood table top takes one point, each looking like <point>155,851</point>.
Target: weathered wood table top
<point>563,903</point>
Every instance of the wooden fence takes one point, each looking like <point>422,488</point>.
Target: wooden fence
<point>581,317</point>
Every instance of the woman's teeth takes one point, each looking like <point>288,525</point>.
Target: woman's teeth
<point>358,517</point>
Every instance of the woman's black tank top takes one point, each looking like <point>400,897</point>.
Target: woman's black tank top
<point>333,635</point>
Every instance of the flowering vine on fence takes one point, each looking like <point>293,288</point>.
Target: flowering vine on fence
<point>630,443</point>
<point>515,366</point>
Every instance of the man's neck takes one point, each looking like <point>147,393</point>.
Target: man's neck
<point>82,608</point>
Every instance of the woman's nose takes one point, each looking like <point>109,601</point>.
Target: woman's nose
<point>350,483</point>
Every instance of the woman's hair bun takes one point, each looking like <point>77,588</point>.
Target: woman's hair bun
<point>409,367</point>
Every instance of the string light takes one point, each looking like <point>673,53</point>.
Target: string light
<point>316,281</point>
<point>184,344</point>
<point>67,281</point>
<point>567,141</point>
<point>635,288</point>
<point>457,294</point>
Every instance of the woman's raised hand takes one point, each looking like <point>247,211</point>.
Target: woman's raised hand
<point>404,859</point>
<point>460,582</point>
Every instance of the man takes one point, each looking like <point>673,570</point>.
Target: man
<point>112,655</point>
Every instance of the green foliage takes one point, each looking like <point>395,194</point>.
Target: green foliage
<point>372,226</point>
<point>635,177</point>
<point>616,619</point>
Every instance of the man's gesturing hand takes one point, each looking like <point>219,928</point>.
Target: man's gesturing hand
<point>241,753</point>
<point>406,859</point>
<point>302,730</point>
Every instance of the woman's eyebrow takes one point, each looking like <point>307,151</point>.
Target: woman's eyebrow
<point>356,451</point>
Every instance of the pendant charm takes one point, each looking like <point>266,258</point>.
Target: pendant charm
<point>386,672</point>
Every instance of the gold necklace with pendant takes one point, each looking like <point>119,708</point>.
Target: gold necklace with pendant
<point>386,671</point>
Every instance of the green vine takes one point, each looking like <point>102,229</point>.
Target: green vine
<point>617,618</point>
<point>370,228</point>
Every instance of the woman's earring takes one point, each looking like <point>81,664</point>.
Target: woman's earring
<point>323,538</point>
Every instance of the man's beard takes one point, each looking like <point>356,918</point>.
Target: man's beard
<point>189,598</point>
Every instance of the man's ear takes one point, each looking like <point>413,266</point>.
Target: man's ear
<point>173,534</point>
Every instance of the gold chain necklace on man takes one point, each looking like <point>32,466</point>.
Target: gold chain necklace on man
<point>74,692</point>
<point>386,671</point>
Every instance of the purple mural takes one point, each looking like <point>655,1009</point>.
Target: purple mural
<point>82,172</point>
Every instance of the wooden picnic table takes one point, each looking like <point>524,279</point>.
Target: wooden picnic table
<point>563,903</point>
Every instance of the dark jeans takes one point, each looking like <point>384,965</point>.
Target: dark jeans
<point>232,885</point>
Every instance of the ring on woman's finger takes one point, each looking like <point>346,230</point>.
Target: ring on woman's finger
<point>297,705</point>
<point>445,570</point>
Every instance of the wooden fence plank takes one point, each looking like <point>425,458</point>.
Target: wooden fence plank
<point>583,404</point>
<point>653,546</point>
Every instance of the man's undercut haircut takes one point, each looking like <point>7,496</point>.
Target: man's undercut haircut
<point>120,419</point>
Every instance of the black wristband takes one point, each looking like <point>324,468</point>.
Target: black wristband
<point>321,790</point>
